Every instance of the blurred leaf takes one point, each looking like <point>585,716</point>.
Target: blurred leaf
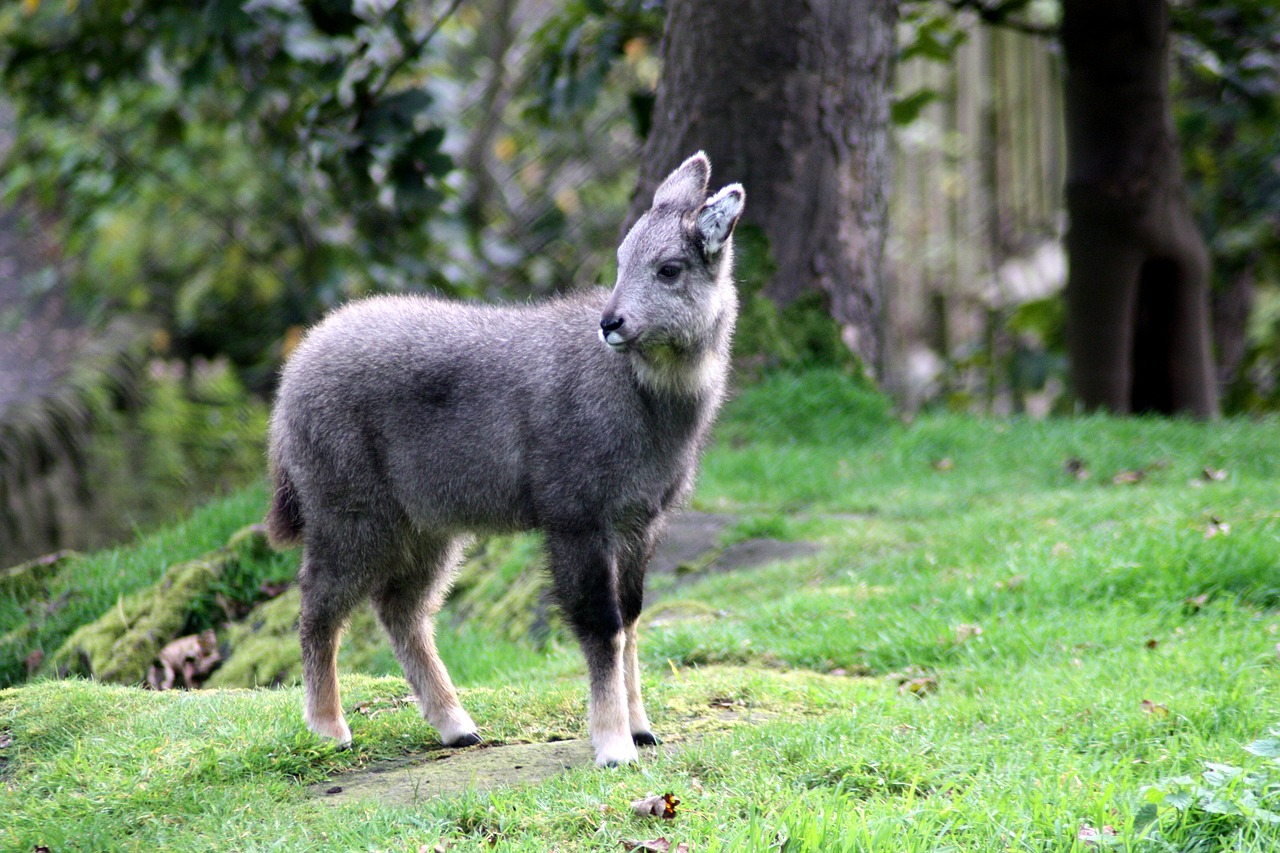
<point>908,108</point>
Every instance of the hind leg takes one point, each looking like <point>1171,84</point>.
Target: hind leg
<point>407,603</point>
<point>329,592</point>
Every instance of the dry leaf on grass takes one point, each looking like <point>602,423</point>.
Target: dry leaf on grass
<point>657,845</point>
<point>659,805</point>
<point>921,687</point>
<point>1128,478</point>
<point>1156,709</point>
<point>1093,836</point>
<point>1216,527</point>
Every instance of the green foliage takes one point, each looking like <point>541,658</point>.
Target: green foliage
<point>1225,808</point>
<point>817,407</point>
<point>1227,106</point>
<point>232,168</point>
<point>577,48</point>
<point>86,587</point>
<point>798,336</point>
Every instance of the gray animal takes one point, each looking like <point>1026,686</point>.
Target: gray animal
<point>404,424</point>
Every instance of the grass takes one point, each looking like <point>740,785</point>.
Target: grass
<point>989,653</point>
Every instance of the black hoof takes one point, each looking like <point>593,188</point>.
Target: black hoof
<point>466,740</point>
<point>645,739</point>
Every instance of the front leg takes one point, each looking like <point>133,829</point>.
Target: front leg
<point>641,732</point>
<point>631,571</point>
<point>584,576</point>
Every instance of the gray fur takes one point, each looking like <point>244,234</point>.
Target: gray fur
<point>404,424</point>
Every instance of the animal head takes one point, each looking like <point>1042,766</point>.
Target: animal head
<point>674,302</point>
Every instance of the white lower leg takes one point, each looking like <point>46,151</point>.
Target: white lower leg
<point>638,719</point>
<point>322,706</point>
<point>608,715</point>
<point>436,695</point>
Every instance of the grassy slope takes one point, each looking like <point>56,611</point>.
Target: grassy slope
<point>1091,678</point>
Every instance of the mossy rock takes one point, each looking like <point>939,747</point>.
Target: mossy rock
<point>30,579</point>
<point>121,644</point>
<point>262,650</point>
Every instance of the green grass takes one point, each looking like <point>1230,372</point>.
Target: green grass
<point>1092,649</point>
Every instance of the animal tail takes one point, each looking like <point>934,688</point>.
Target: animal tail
<point>284,518</point>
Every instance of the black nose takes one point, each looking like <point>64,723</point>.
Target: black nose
<point>610,325</point>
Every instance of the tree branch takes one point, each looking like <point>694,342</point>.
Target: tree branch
<point>1001,14</point>
<point>413,52</point>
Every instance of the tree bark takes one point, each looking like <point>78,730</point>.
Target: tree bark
<point>1138,331</point>
<point>791,98</point>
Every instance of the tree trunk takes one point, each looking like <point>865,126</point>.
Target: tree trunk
<point>791,98</point>
<point>1138,288</point>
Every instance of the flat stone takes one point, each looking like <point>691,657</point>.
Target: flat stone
<point>481,768</point>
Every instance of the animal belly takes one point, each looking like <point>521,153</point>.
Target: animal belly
<point>478,489</point>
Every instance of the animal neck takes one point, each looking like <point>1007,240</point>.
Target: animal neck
<point>689,371</point>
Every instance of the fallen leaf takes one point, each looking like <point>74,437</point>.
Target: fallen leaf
<point>1196,603</point>
<point>190,658</point>
<point>1013,582</point>
<point>964,632</point>
<point>659,805</point>
<point>1216,527</point>
<point>920,687</point>
<point>6,740</point>
<point>1213,475</point>
<point>1156,709</point>
<point>658,845</point>
<point>1092,836</point>
<point>943,464</point>
<point>442,847</point>
<point>1076,468</point>
<point>1151,643</point>
<point>1125,478</point>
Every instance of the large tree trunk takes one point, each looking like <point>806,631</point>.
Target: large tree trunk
<point>791,98</point>
<point>1138,287</point>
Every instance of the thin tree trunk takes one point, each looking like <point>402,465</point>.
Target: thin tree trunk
<point>791,98</point>
<point>1138,289</point>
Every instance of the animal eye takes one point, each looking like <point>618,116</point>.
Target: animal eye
<point>669,272</point>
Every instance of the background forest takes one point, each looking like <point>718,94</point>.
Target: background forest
<point>188,186</point>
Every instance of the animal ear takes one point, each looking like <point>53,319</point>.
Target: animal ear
<point>687,186</point>
<point>718,216</point>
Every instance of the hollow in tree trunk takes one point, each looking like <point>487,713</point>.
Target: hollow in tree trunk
<point>1138,288</point>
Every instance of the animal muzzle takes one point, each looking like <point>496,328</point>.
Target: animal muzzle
<point>613,331</point>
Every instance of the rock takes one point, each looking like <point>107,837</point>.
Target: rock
<point>121,644</point>
<point>29,579</point>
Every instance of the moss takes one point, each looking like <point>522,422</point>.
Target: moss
<point>501,585</point>
<point>263,648</point>
<point>121,644</point>
<point>30,579</point>
<point>798,336</point>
